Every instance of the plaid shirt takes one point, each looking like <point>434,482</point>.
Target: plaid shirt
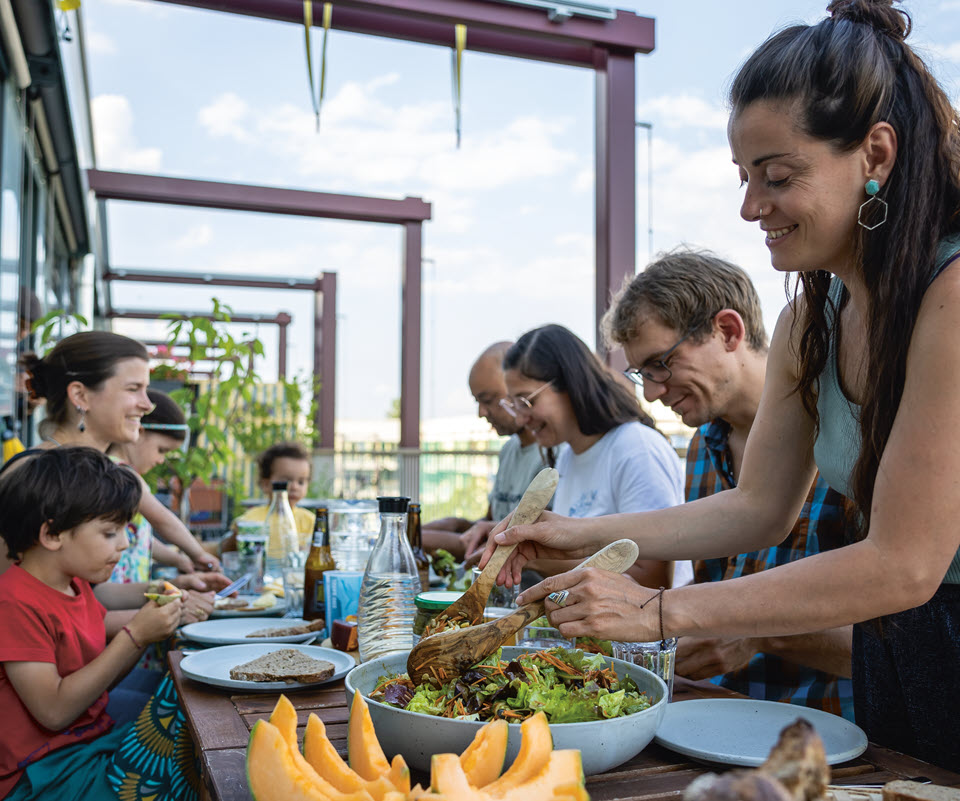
<point>820,527</point>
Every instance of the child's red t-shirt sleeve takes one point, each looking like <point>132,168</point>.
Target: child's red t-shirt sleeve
<point>24,637</point>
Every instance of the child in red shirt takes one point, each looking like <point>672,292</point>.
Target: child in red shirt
<point>63,516</point>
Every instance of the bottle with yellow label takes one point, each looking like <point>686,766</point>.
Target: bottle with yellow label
<point>319,561</point>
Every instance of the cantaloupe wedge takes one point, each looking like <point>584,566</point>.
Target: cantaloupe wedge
<point>284,718</point>
<point>323,757</point>
<point>483,759</point>
<point>563,768</point>
<point>272,774</point>
<point>364,753</point>
<point>536,745</point>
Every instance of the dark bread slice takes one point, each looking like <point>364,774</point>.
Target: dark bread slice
<point>287,665</point>
<point>289,631</point>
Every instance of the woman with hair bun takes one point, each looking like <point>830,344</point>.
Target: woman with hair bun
<point>849,154</point>
<point>95,387</point>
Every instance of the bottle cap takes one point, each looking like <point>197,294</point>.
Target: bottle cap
<point>414,507</point>
<point>279,485</point>
<point>393,504</point>
<point>435,600</point>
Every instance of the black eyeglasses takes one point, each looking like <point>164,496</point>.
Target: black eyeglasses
<point>656,371</point>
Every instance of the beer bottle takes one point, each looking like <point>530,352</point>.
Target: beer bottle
<point>319,561</point>
<point>415,535</point>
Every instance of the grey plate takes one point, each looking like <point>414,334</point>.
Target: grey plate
<point>603,744</point>
<point>741,731</point>
<point>234,631</point>
<point>273,611</point>
<point>213,665</point>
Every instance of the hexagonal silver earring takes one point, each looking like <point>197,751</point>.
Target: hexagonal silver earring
<point>871,188</point>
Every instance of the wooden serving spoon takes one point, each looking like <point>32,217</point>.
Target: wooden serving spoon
<point>470,605</point>
<point>450,653</point>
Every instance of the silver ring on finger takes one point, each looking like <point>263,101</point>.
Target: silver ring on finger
<point>559,597</point>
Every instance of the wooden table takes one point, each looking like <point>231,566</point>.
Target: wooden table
<point>220,724</point>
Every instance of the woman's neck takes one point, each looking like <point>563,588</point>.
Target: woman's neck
<point>64,436</point>
<point>580,443</point>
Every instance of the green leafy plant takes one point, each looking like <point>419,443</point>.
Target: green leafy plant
<point>229,423</point>
<point>55,325</point>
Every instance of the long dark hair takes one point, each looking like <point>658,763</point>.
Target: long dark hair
<point>554,353</point>
<point>89,357</point>
<point>841,77</point>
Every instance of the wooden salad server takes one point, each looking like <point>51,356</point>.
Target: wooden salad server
<point>450,653</point>
<point>470,605</point>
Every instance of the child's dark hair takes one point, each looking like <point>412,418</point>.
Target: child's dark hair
<point>63,487</point>
<point>167,417</point>
<point>282,450</point>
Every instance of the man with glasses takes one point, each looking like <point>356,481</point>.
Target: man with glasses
<point>519,461</point>
<point>692,331</point>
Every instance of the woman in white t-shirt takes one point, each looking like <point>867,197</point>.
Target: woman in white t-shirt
<point>610,457</point>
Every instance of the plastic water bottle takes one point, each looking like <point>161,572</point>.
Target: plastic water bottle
<point>390,583</point>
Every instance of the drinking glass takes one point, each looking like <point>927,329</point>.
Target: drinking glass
<point>501,602</point>
<point>657,657</point>
<point>232,564</point>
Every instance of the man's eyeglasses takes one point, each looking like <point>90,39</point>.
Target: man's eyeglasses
<point>519,404</point>
<point>656,371</point>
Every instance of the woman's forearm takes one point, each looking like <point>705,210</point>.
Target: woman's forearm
<point>168,527</point>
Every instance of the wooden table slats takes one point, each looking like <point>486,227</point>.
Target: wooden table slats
<point>221,723</point>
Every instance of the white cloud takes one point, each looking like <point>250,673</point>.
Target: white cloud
<point>227,116</point>
<point>194,237</point>
<point>116,143</point>
<point>100,44</point>
<point>950,51</point>
<point>683,111</point>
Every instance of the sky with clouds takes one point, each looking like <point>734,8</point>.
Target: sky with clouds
<point>184,92</point>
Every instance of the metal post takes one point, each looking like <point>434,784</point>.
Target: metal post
<point>410,360</point>
<point>284,320</point>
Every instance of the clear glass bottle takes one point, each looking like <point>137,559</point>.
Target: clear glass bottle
<point>390,584</point>
<point>284,560</point>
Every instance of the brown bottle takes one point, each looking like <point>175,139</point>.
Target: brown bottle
<point>319,561</point>
<point>415,535</point>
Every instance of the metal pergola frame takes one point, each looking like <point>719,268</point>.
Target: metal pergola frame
<point>324,290</point>
<point>608,46</point>
<point>410,213</point>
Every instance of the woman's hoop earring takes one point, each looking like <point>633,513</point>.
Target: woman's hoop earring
<point>82,425</point>
<point>872,187</point>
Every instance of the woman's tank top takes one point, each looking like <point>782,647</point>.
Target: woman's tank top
<point>838,441</point>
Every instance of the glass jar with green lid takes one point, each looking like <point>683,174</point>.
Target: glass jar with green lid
<point>429,605</point>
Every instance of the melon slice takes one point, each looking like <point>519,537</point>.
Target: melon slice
<point>483,759</point>
<point>364,753</point>
<point>563,769</point>
<point>320,753</point>
<point>536,745</point>
<point>284,718</point>
<point>272,774</point>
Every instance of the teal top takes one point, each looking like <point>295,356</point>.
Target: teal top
<point>838,441</point>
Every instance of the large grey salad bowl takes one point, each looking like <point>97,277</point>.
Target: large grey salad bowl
<point>603,744</point>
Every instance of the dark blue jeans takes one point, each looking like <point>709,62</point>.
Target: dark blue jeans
<point>906,679</point>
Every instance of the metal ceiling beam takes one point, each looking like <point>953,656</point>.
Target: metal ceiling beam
<point>210,279</point>
<point>497,28</point>
<point>246,197</point>
<point>148,314</point>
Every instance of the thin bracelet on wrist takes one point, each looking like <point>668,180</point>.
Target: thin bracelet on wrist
<point>132,638</point>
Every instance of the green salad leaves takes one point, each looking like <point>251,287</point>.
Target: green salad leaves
<point>569,686</point>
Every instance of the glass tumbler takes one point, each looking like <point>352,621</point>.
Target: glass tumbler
<point>658,656</point>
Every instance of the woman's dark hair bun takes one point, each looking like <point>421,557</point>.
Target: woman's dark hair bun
<point>36,370</point>
<point>882,15</point>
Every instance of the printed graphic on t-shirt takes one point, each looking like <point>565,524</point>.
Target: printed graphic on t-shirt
<point>581,507</point>
<point>508,499</point>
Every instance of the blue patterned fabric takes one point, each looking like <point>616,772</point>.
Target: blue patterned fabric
<point>820,527</point>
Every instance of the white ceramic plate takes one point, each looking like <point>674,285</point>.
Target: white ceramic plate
<point>277,609</point>
<point>741,731</point>
<point>213,665</point>
<point>234,631</point>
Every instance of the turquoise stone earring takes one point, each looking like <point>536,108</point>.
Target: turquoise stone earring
<point>872,187</point>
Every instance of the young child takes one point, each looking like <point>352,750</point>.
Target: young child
<point>63,516</point>
<point>285,461</point>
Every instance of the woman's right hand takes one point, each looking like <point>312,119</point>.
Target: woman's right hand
<point>154,623</point>
<point>552,536</point>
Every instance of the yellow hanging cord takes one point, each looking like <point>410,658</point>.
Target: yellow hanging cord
<point>307,25</point>
<point>460,39</point>
<point>327,18</point>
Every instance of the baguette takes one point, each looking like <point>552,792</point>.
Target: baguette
<point>289,631</point>
<point>287,665</point>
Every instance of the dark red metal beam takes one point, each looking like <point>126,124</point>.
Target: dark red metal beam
<point>209,279</point>
<point>491,27</point>
<point>143,314</point>
<point>410,337</point>
<point>325,357</point>
<point>245,197</point>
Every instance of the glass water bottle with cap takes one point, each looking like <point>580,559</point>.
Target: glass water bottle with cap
<point>283,545</point>
<point>390,584</point>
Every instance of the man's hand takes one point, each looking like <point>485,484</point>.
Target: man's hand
<point>705,657</point>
